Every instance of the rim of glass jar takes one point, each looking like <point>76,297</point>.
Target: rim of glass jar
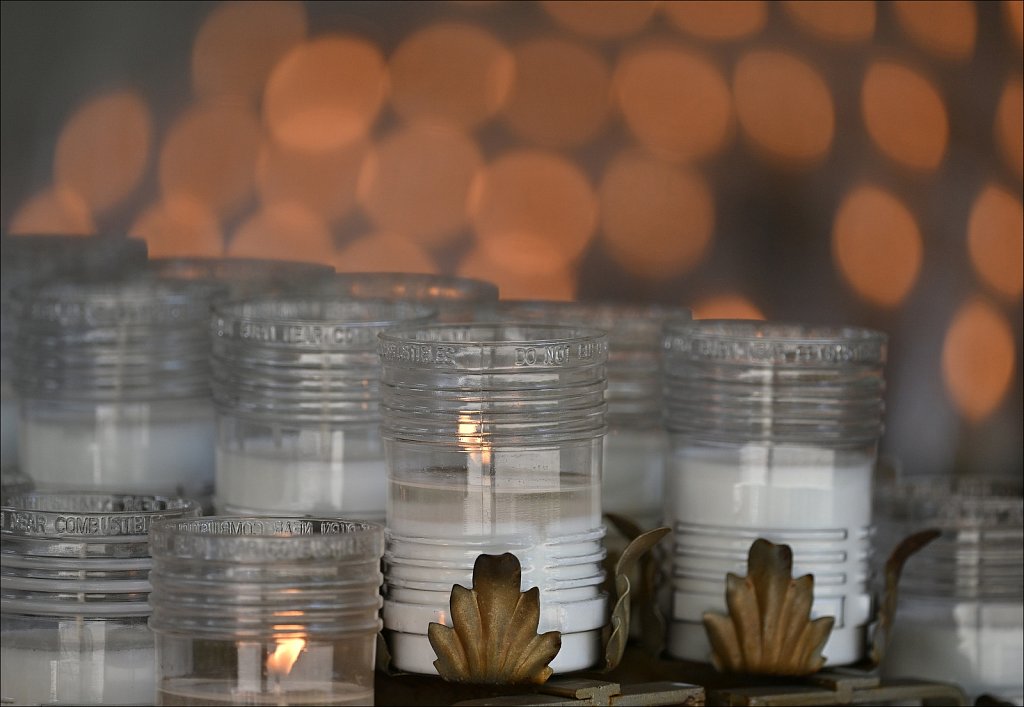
<point>62,514</point>
<point>272,320</point>
<point>138,300</point>
<point>266,540</point>
<point>425,287</point>
<point>618,320</point>
<point>759,343</point>
<point>235,269</point>
<point>545,347</point>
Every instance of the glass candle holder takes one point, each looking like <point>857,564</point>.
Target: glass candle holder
<point>74,600</point>
<point>961,609</point>
<point>493,438</point>
<point>13,482</point>
<point>635,446</point>
<point>265,611</point>
<point>297,386</point>
<point>456,299</point>
<point>774,433</point>
<point>114,388</point>
<point>30,258</point>
<point>244,277</point>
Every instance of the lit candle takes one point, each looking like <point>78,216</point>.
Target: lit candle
<point>266,610</point>
<point>286,671</point>
<point>774,433</point>
<point>486,457</point>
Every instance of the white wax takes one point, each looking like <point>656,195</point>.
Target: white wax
<point>978,645</point>
<point>634,474</point>
<point>441,522</point>
<point>814,500</point>
<point>8,428</point>
<point>253,482</point>
<point>82,671</point>
<point>153,448</point>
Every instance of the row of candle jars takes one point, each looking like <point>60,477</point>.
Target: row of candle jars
<point>126,599</point>
<point>502,425</point>
<point>112,382</point>
<point>493,435</point>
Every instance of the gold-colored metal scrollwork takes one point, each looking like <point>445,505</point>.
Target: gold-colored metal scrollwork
<point>493,638</point>
<point>768,629</point>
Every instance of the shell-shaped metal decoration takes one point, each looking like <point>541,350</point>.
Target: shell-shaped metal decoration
<point>493,639</point>
<point>768,629</point>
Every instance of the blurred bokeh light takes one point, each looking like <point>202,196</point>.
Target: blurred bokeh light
<point>452,73</point>
<point>726,306</point>
<point>601,19</point>
<point>995,240</point>
<point>325,93</point>
<point>210,154</point>
<point>978,359</point>
<point>945,28</point>
<point>877,245</point>
<point>717,20</point>
<point>560,96</point>
<point>240,42</point>
<point>416,182</point>
<point>904,115</point>
<point>179,225</point>
<point>657,219</point>
<point>283,231</point>
<point>675,101</point>
<point>57,210</point>
<point>846,21</point>
<point>784,106</point>
<point>104,148</point>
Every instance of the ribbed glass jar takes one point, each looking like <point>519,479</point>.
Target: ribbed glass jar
<point>244,277</point>
<point>113,379</point>
<point>636,443</point>
<point>296,381</point>
<point>26,259</point>
<point>961,609</point>
<point>456,299</point>
<point>493,438</point>
<point>265,611</point>
<point>75,588</point>
<point>13,482</point>
<point>774,434</point>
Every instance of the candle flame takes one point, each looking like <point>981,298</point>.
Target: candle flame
<point>467,429</point>
<point>284,656</point>
<point>469,434</point>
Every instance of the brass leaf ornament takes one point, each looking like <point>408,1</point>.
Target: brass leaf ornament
<point>636,552</point>
<point>493,638</point>
<point>768,629</point>
<point>890,597</point>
